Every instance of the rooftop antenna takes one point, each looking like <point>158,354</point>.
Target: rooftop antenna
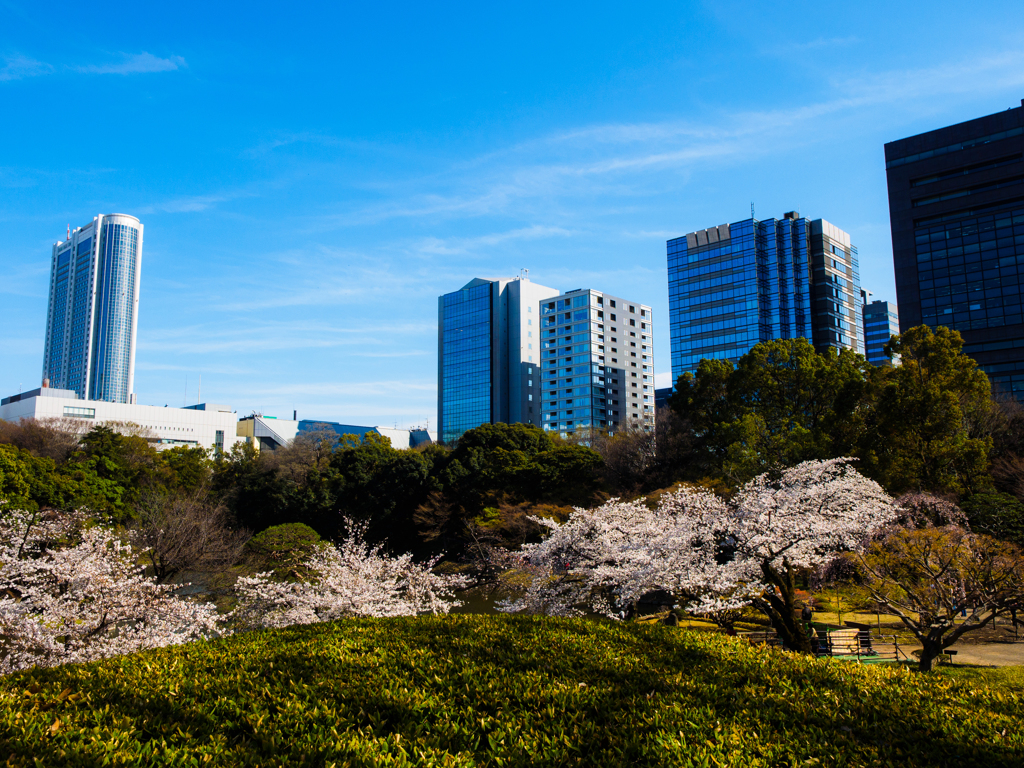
<point>751,209</point>
<point>69,231</point>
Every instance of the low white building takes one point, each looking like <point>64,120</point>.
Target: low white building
<point>206,425</point>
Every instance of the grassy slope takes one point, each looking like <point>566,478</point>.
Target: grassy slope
<point>484,690</point>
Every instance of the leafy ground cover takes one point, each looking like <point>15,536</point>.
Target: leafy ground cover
<point>500,690</point>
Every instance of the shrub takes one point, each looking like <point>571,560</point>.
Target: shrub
<point>510,691</point>
<point>283,549</point>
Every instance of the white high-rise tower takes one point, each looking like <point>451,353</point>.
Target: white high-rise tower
<point>93,310</point>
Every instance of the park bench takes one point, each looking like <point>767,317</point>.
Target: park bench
<point>845,642</point>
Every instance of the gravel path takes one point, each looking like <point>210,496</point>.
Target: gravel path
<point>990,654</point>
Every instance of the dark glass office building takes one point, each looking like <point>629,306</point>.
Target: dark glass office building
<point>735,285</point>
<point>488,365</point>
<point>956,204</point>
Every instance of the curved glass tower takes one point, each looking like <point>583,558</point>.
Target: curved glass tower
<point>93,313</point>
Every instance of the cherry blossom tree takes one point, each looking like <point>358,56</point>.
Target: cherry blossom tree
<point>714,557</point>
<point>801,519</point>
<point>72,594</point>
<point>605,559</point>
<point>352,578</point>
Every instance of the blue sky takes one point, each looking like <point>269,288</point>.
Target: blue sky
<point>311,178</point>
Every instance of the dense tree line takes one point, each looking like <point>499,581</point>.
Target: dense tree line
<point>929,424</point>
<point>420,500</point>
<point>426,501</point>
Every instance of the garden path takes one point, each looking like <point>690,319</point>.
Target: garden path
<point>991,654</point>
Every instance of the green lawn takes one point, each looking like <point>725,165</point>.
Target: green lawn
<point>500,690</point>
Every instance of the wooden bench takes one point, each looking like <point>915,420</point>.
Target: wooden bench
<point>845,642</point>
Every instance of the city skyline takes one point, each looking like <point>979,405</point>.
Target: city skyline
<point>306,201</point>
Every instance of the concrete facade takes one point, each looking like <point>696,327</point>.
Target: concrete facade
<point>598,363</point>
<point>206,425</point>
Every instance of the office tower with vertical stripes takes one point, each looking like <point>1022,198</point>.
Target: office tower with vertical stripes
<point>735,285</point>
<point>93,309</point>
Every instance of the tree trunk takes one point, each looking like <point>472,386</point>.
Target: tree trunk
<point>780,607</point>
<point>929,653</point>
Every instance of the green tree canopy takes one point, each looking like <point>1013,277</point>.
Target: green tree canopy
<point>926,408</point>
<point>998,515</point>
<point>782,403</point>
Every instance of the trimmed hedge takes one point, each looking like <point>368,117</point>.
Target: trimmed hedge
<point>502,691</point>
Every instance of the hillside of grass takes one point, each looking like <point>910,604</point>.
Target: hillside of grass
<point>502,691</point>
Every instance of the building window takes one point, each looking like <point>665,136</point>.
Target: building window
<point>79,412</point>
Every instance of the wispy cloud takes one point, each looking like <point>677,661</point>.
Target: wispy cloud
<point>134,64</point>
<point>18,67</point>
<point>465,245</point>
<point>222,369</point>
<point>407,353</point>
<point>817,44</point>
<point>192,203</point>
<point>355,388</point>
<point>25,279</point>
<point>591,162</point>
<point>661,234</point>
<point>273,336</point>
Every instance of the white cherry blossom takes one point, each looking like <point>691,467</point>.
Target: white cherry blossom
<point>712,556</point>
<point>83,599</point>
<point>352,578</point>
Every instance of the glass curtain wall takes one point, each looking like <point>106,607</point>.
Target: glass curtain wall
<point>466,361</point>
<point>112,349</point>
<point>714,298</point>
<point>970,272</point>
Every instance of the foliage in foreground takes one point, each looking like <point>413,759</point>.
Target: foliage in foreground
<point>513,691</point>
